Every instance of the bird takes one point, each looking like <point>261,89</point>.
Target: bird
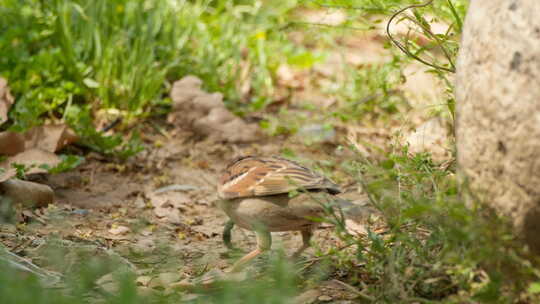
<point>269,194</point>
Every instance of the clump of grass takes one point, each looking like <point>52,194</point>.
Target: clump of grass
<point>66,59</point>
<point>372,91</point>
<point>436,247</point>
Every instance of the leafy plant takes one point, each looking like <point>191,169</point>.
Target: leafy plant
<point>68,162</point>
<point>435,247</point>
<point>65,59</point>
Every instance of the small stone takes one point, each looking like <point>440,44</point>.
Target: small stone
<point>29,194</point>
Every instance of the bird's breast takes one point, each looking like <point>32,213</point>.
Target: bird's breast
<point>275,213</point>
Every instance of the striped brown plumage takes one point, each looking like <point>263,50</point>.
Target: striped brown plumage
<point>250,176</point>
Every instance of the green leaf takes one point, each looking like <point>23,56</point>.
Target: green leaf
<point>304,60</point>
<point>286,152</point>
<point>91,83</point>
<point>534,288</point>
<point>68,162</point>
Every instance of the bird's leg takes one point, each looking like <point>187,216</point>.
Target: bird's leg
<point>264,243</point>
<point>227,235</point>
<point>306,237</point>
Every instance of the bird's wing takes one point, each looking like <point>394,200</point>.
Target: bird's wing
<point>261,176</point>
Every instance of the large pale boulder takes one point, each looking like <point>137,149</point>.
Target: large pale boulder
<point>498,109</point>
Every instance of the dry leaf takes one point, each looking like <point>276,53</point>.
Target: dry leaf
<point>205,232</point>
<point>33,148</point>
<point>166,199</point>
<point>355,228</point>
<point>324,298</point>
<point>119,230</point>
<point>11,143</point>
<point>143,280</point>
<point>50,137</point>
<point>167,205</point>
<point>32,159</point>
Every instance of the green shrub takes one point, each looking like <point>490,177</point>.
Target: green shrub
<point>65,59</point>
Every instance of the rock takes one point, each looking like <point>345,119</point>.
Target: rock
<point>498,110</point>
<point>205,113</point>
<point>29,194</point>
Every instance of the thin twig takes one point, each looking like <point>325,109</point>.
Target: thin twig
<point>428,32</point>
<point>406,50</point>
